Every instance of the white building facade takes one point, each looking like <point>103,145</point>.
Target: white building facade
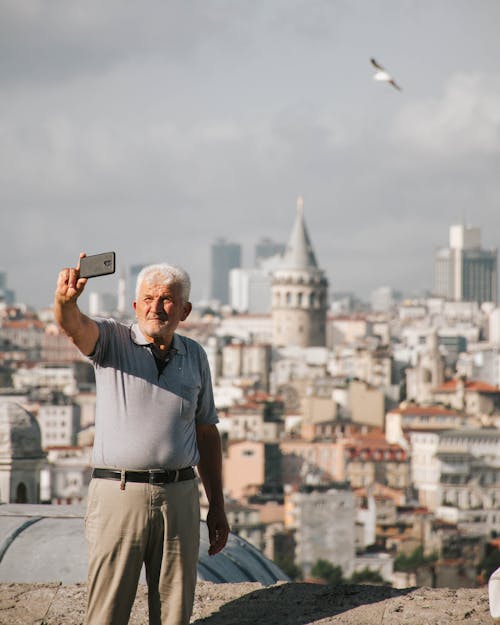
<point>59,424</point>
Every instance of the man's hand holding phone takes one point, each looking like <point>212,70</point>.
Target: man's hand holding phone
<point>72,280</point>
<point>80,328</point>
<point>69,284</point>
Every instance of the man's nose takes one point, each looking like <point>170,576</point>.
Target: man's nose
<point>158,305</point>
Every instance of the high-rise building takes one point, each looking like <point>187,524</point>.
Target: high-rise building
<point>383,298</point>
<point>134,271</point>
<point>250,291</point>
<point>464,271</point>
<point>299,292</point>
<point>102,304</point>
<point>7,296</point>
<point>267,248</point>
<point>224,256</point>
<point>122,303</point>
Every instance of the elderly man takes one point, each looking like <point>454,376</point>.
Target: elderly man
<point>155,420</point>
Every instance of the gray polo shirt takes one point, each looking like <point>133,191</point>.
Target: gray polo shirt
<point>146,420</point>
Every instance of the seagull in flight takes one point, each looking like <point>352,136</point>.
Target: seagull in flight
<point>383,75</point>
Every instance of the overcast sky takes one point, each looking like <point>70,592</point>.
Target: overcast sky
<point>151,128</point>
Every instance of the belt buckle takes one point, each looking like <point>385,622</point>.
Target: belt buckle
<point>153,475</point>
<point>168,476</point>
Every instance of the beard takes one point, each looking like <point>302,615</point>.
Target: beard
<point>160,324</point>
<point>155,328</point>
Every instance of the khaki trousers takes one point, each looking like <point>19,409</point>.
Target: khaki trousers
<point>158,525</point>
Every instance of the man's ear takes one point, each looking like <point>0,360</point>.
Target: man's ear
<point>188,307</point>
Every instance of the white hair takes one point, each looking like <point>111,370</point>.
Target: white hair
<point>165,274</point>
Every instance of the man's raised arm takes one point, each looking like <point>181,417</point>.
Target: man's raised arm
<point>82,330</point>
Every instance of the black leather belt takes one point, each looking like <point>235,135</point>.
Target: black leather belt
<point>154,476</point>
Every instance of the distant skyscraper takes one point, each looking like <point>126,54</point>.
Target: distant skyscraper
<point>465,272</point>
<point>122,303</point>
<point>224,257</point>
<point>250,290</point>
<point>266,248</point>
<point>133,273</point>
<point>383,298</point>
<point>7,296</point>
<point>102,304</point>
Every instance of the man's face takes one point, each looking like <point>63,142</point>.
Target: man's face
<point>160,309</point>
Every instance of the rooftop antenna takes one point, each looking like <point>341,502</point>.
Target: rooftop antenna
<point>464,217</point>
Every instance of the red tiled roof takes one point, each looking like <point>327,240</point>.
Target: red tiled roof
<point>450,386</point>
<point>374,448</point>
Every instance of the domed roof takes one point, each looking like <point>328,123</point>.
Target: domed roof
<point>19,432</point>
<point>41,543</point>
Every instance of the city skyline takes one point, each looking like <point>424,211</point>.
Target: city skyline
<point>155,133</point>
<point>110,286</point>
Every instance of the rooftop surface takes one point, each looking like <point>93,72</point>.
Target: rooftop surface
<point>252,604</point>
<point>42,547</point>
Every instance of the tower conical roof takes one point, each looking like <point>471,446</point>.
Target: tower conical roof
<point>299,253</point>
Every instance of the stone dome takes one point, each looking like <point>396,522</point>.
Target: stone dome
<point>44,543</point>
<point>20,435</point>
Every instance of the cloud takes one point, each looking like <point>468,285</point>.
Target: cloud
<point>65,39</point>
<point>74,154</point>
<point>464,121</point>
<point>153,128</point>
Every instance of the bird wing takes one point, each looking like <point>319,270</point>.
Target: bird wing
<point>394,84</point>
<point>375,64</point>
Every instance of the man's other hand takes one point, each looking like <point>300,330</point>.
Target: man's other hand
<point>218,530</point>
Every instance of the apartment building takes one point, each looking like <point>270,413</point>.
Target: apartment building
<point>59,422</point>
<point>324,521</point>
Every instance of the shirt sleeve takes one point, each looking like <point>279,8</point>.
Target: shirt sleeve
<point>205,410</point>
<point>106,327</point>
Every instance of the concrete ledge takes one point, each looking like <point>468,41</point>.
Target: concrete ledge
<point>254,604</point>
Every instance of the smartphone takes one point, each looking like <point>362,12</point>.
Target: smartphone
<point>97,265</point>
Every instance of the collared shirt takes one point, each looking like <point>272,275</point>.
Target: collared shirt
<point>146,419</point>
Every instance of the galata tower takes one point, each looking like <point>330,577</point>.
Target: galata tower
<point>299,292</point>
